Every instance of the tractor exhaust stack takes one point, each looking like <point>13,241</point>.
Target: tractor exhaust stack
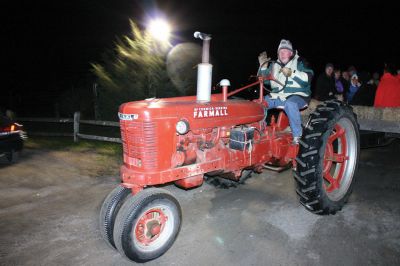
<point>204,69</point>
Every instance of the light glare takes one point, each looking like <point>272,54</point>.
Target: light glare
<point>160,30</point>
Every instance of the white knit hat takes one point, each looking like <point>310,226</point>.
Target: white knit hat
<point>285,44</point>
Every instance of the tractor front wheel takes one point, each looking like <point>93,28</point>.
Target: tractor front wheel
<point>328,158</point>
<point>147,224</point>
<point>108,212</point>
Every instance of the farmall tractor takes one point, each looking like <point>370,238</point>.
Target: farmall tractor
<point>181,140</point>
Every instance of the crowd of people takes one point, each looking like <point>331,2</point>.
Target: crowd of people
<point>359,88</point>
<point>291,85</point>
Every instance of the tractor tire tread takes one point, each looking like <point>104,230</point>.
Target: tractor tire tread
<point>308,173</point>
<point>109,209</point>
<point>299,179</point>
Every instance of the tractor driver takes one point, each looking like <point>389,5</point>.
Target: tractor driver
<point>291,87</point>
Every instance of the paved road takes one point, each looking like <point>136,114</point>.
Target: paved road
<point>49,204</point>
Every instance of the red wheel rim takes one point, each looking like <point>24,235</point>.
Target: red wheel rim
<point>335,159</point>
<point>150,226</point>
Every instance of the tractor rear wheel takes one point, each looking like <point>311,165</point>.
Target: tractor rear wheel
<point>328,158</point>
<point>108,212</point>
<point>147,224</point>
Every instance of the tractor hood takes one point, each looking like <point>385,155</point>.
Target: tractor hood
<point>199,114</point>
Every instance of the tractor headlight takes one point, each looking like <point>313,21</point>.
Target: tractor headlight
<point>182,127</point>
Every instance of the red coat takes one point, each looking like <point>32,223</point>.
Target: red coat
<point>388,91</point>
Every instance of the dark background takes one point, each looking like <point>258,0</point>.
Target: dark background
<point>48,46</point>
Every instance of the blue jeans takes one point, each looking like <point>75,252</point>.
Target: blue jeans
<point>292,108</point>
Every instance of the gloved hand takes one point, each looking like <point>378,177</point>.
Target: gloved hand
<point>263,58</point>
<point>286,71</point>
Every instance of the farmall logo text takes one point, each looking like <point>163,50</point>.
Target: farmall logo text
<point>204,112</point>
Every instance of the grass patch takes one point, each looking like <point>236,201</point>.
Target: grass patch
<point>105,157</point>
<point>68,144</point>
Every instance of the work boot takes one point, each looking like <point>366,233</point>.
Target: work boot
<point>287,129</point>
<point>296,140</point>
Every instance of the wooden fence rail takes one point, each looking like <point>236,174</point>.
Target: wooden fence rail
<point>76,122</point>
<point>369,118</point>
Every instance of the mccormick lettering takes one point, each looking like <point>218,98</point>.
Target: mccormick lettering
<point>204,112</point>
<point>127,116</point>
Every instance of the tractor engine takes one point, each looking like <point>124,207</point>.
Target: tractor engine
<point>180,139</point>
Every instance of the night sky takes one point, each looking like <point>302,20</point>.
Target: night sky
<point>49,45</point>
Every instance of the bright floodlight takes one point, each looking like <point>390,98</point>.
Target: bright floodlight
<point>160,30</point>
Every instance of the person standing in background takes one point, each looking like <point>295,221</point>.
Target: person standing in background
<point>388,91</point>
<point>325,88</point>
<point>354,86</point>
<point>339,84</point>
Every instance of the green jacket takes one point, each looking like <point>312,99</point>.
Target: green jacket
<point>299,83</point>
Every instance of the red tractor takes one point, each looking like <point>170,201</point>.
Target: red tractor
<point>180,140</point>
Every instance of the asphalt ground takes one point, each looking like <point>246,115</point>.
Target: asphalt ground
<point>50,202</point>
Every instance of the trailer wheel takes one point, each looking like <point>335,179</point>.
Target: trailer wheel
<point>108,212</point>
<point>12,156</point>
<point>328,158</point>
<point>147,224</point>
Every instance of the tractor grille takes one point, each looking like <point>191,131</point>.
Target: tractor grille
<point>140,143</point>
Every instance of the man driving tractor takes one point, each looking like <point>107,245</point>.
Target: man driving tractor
<point>291,84</point>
